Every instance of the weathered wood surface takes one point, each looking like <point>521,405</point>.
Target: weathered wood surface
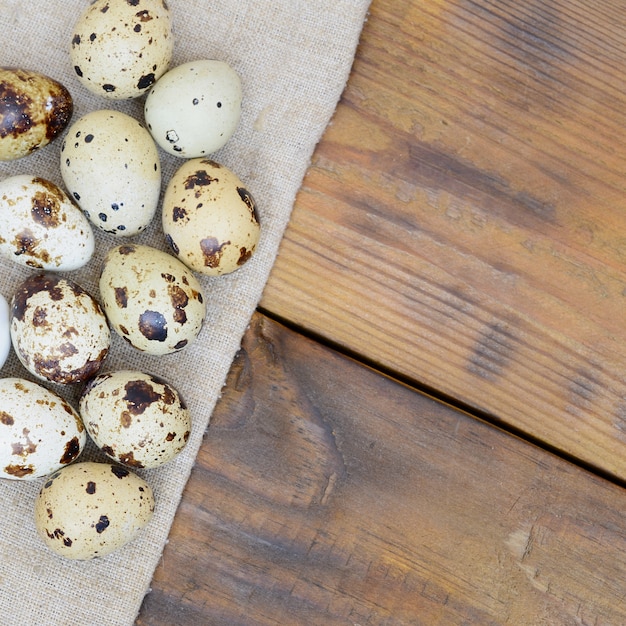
<point>327,494</point>
<point>463,226</point>
<point>463,223</point>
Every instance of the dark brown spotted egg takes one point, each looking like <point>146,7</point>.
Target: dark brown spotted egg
<point>41,227</point>
<point>136,419</point>
<point>151,299</point>
<point>88,510</point>
<point>58,330</point>
<point>110,165</point>
<point>120,48</point>
<point>210,218</point>
<point>34,110</point>
<point>39,431</point>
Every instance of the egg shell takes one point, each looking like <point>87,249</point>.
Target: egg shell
<point>41,227</point>
<point>111,167</point>
<point>39,431</point>
<point>5,332</point>
<point>58,330</point>
<point>194,109</point>
<point>137,419</point>
<point>119,48</point>
<point>151,299</point>
<point>88,510</point>
<point>209,218</point>
<point>34,110</point>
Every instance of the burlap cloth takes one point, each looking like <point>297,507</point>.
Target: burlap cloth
<point>294,57</point>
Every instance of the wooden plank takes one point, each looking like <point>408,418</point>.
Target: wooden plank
<point>328,494</point>
<point>463,223</point>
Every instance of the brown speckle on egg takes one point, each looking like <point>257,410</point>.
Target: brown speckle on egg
<point>128,458</point>
<point>199,178</point>
<point>19,471</point>
<point>121,297</point>
<point>72,450</point>
<point>153,326</point>
<point>212,251</point>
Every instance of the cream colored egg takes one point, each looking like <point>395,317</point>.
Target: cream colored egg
<point>119,48</point>
<point>58,330</point>
<point>5,332</point>
<point>41,227</point>
<point>137,419</point>
<point>110,165</point>
<point>194,109</point>
<point>88,510</point>
<point>39,431</point>
<point>209,218</point>
<point>34,110</point>
<point>151,299</point>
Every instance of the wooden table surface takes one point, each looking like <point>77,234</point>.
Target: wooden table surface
<point>426,423</point>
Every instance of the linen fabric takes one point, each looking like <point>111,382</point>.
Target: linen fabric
<point>294,57</point>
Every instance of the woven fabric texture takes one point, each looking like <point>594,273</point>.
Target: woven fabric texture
<point>294,57</point>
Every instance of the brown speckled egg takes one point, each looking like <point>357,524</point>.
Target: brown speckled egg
<point>39,431</point>
<point>120,48</point>
<point>88,510</point>
<point>41,227</point>
<point>151,299</point>
<point>58,330</point>
<point>209,218</point>
<point>135,418</point>
<point>34,110</point>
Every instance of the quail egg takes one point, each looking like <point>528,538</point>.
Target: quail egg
<point>110,164</point>
<point>151,299</point>
<point>39,431</point>
<point>58,330</point>
<point>41,227</point>
<point>89,510</point>
<point>194,109</point>
<point>119,48</point>
<point>210,219</point>
<point>137,419</point>
<point>34,110</point>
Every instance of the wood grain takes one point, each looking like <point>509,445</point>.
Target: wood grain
<point>463,224</point>
<point>328,494</point>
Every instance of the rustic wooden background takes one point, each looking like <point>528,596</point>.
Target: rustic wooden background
<point>426,423</point>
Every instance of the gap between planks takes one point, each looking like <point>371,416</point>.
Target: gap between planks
<point>420,387</point>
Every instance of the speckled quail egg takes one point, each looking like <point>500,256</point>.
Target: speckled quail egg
<point>5,332</point>
<point>34,110</point>
<point>58,330</point>
<point>88,510</point>
<point>151,299</point>
<point>209,218</point>
<point>120,48</point>
<point>39,431</point>
<point>136,419</point>
<point>41,227</point>
<point>110,165</point>
<point>194,109</point>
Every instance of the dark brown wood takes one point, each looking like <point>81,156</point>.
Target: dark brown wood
<point>463,223</point>
<point>328,494</point>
